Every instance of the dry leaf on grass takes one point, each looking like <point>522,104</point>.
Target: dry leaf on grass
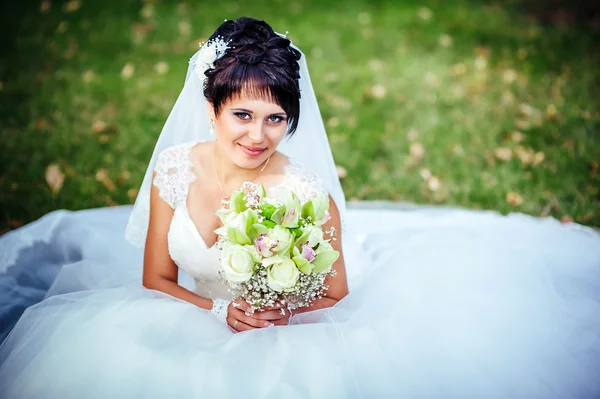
<point>54,177</point>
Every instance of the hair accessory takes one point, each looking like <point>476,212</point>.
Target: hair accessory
<point>207,55</point>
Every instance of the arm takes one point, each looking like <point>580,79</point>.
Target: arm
<point>160,272</point>
<point>338,285</point>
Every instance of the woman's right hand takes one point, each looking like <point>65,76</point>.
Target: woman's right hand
<point>241,317</point>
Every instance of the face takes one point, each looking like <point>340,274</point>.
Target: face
<point>248,130</point>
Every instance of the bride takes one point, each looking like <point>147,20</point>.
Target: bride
<point>441,303</point>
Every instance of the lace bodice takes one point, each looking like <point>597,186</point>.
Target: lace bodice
<point>174,174</point>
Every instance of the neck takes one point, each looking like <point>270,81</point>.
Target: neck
<point>230,174</point>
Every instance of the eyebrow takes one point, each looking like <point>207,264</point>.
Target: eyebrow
<point>250,112</point>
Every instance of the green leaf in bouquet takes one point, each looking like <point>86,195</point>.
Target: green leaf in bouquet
<point>268,223</point>
<point>263,192</point>
<point>278,214</point>
<point>324,260</point>
<point>267,210</point>
<point>296,231</point>
<point>303,237</point>
<point>321,205</point>
<point>308,210</point>
<point>256,230</point>
<point>303,265</point>
<point>238,202</point>
<point>237,236</point>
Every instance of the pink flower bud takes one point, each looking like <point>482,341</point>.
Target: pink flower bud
<point>308,253</point>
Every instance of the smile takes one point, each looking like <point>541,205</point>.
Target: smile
<point>252,151</point>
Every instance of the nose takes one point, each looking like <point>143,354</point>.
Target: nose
<point>256,133</point>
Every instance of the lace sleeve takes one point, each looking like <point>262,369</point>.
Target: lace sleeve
<point>173,174</point>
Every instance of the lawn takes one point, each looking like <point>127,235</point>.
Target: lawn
<point>459,103</point>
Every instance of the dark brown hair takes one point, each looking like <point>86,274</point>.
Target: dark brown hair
<point>258,63</point>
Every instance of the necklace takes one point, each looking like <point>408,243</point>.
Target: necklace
<point>225,197</point>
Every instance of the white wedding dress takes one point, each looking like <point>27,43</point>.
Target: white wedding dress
<point>442,303</point>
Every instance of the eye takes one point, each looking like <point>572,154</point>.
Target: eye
<point>275,119</point>
<point>243,116</point>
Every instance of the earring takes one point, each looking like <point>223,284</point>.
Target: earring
<point>211,129</point>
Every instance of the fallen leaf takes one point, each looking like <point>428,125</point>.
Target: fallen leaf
<point>127,71</point>
<point>480,63</point>
<point>54,177</point>
<point>551,112</point>
<point>538,158</point>
<point>517,136</point>
<point>378,91</point>
<point>161,68</point>
<point>72,6</point>
<point>503,153</point>
<point>445,40</point>
<point>566,219</point>
<point>62,27</point>
<point>509,75</point>
<point>41,124</point>
<point>333,122</point>
<point>132,193</point>
<point>514,199</point>
<point>102,176</point>
<point>425,13</point>
<point>147,11</point>
<point>417,150</point>
<point>45,6</point>
<point>459,69</point>
<point>98,126</point>
<point>341,171</point>
<point>433,183</point>
<point>185,28</point>
<point>431,79</point>
<point>88,76</point>
<point>425,173</point>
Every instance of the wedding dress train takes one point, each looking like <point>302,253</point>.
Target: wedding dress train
<point>442,303</point>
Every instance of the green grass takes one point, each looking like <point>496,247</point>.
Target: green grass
<point>385,75</point>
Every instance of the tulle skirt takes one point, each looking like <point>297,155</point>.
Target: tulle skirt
<point>442,303</point>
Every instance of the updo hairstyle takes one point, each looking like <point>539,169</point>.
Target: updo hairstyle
<point>258,63</point>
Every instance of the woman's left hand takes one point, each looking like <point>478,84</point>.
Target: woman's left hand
<point>276,315</point>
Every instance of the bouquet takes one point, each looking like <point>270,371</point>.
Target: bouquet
<point>274,250</point>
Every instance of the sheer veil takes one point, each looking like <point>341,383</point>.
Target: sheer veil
<point>188,121</point>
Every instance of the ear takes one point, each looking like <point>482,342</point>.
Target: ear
<point>211,111</point>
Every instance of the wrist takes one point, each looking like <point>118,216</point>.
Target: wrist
<point>219,309</point>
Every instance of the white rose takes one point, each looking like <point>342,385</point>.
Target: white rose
<point>238,262</point>
<point>283,276</point>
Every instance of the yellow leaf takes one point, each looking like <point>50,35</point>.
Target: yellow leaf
<point>514,199</point>
<point>503,153</point>
<point>127,71</point>
<point>417,150</point>
<point>341,171</point>
<point>54,177</point>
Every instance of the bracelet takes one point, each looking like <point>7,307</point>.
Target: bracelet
<point>219,309</point>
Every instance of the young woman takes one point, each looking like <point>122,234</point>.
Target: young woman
<point>447,304</point>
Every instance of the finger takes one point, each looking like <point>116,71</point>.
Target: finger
<point>242,305</point>
<point>268,315</point>
<point>238,325</point>
<point>241,316</point>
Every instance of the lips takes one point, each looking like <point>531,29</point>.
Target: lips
<point>254,152</point>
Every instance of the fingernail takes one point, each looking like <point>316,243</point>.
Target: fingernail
<point>269,324</point>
